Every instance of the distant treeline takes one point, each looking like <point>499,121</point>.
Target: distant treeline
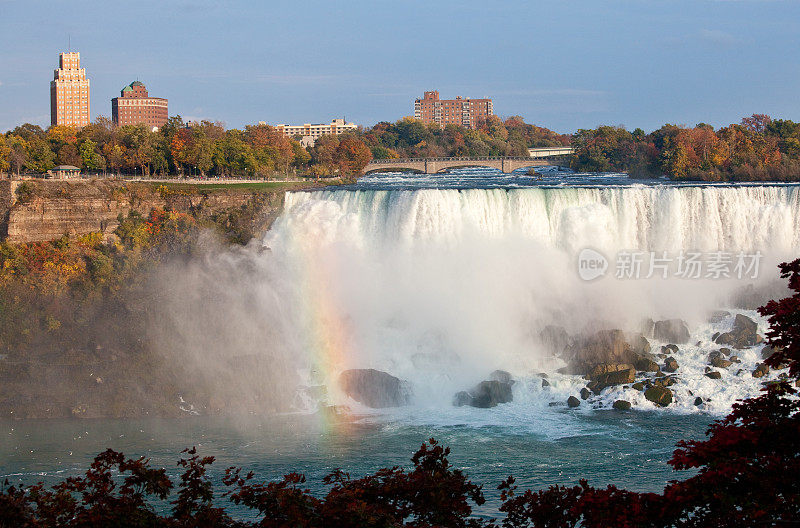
<point>758,148</point>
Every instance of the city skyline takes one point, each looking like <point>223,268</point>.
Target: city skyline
<point>563,66</point>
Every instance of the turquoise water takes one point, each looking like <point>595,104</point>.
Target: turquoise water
<point>628,449</point>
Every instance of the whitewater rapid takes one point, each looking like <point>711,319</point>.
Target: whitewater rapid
<point>442,286</point>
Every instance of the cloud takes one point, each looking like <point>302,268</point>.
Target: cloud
<point>716,36</point>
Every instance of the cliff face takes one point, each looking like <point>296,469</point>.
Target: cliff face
<point>33,211</point>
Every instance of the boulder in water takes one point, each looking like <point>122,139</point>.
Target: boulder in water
<point>761,370</point>
<point>585,393</point>
<point>604,347</point>
<point>721,363</point>
<point>698,401</point>
<point>717,316</point>
<point>572,401</point>
<point>545,383</point>
<point>670,364</point>
<point>713,374</point>
<point>661,396</point>
<point>744,333</point>
<point>646,365</point>
<point>671,331</point>
<point>487,393</point>
<point>374,388</point>
<point>609,374</point>
<point>622,405</point>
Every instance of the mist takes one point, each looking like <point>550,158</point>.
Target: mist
<point>441,287</point>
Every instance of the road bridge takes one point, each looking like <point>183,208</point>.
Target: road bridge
<point>538,158</point>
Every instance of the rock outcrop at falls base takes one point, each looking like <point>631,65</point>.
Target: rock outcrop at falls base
<point>671,331</point>
<point>375,388</point>
<point>607,347</point>
<point>744,333</point>
<point>488,393</point>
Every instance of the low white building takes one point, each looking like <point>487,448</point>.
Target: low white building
<point>309,133</point>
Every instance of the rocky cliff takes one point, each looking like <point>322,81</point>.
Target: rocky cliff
<point>39,210</point>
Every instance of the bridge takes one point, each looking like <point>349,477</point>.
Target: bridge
<point>537,158</point>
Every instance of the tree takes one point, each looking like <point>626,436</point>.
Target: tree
<point>17,152</point>
<point>92,160</point>
<point>5,154</point>
<point>40,158</point>
<point>352,155</point>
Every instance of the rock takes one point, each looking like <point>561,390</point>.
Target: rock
<point>646,327</point>
<point>670,349</point>
<point>486,394</point>
<point>742,335</point>
<point>735,359</point>
<point>555,339</point>
<point>646,365</point>
<point>767,351</point>
<point>504,377</point>
<point>713,374</point>
<point>661,356</point>
<point>661,396</point>
<point>640,345</point>
<point>375,388</point>
<point>639,386</point>
<point>606,375</point>
<point>666,381</point>
<point>572,401</point>
<point>622,405</point>
<point>721,363</point>
<point>585,393</point>
<point>543,375</point>
<point>761,370</point>
<point>604,347</point>
<point>698,401</point>
<point>725,351</point>
<point>461,399</point>
<point>545,383</point>
<point>671,331</point>
<point>715,336</point>
<point>671,364</point>
<point>714,354</point>
<point>717,316</point>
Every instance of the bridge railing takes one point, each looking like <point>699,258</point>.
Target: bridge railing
<point>467,158</point>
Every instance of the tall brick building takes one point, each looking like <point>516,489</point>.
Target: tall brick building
<point>69,92</point>
<point>135,106</point>
<point>459,111</point>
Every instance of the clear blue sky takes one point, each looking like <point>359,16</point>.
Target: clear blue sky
<point>563,64</point>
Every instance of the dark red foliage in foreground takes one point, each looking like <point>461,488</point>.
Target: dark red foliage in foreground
<point>747,474</point>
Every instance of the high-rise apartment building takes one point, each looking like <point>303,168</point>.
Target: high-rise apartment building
<point>135,106</point>
<point>69,92</point>
<point>459,111</point>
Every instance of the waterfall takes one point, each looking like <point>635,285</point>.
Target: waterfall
<point>441,286</point>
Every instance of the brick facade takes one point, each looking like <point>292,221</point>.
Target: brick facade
<point>459,111</point>
<point>135,106</point>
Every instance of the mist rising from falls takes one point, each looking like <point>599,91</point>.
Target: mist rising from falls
<point>441,287</point>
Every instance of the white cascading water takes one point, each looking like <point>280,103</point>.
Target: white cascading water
<point>440,287</point>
